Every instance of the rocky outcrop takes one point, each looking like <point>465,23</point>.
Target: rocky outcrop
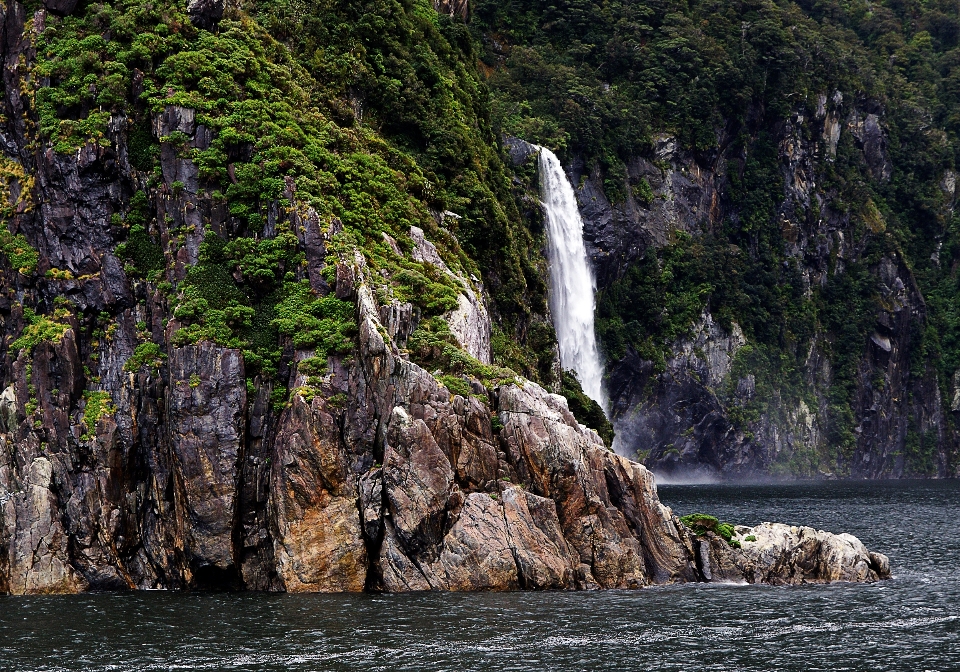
<point>318,542</point>
<point>36,553</point>
<point>137,455</point>
<point>61,7</point>
<point>783,555</point>
<point>457,8</point>
<point>206,408</point>
<point>205,14</point>
<point>533,500</point>
<point>469,321</point>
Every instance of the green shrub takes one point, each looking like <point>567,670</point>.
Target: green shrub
<point>145,354</point>
<point>587,411</point>
<point>20,255</point>
<point>456,385</point>
<point>139,249</point>
<point>98,405</point>
<point>433,346</point>
<point>701,523</point>
<point>323,323</point>
<point>40,328</point>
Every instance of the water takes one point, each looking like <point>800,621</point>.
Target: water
<point>572,285</point>
<point>909,623</point>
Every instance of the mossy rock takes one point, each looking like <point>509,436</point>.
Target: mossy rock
<point>701,523</point>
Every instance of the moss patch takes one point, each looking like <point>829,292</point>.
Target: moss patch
<point>701,523</point>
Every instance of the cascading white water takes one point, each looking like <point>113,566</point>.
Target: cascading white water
<point>572,285</point>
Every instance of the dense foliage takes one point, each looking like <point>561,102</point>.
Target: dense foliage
<point>600,81</point>
<point>383,115</point>
<point>374,116</point>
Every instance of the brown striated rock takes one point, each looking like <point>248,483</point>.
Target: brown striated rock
<point>36,551</point>
<point>318,542</point>
<point>476,552</point>
<point>667,551</point>
<point>371,504</point>
<point>417,482</point>
<point>396,572</point>
<point>544,560</point>
<point>565,462</point>
<point>206,407</point>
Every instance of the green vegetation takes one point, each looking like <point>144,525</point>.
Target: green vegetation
<point>433,346</point>
<point>293,111</point>
<point>17,199</point>
<point>40,328</point>
<point>409,72</point>
<point>920,452</point>
<point>20,255</point>
<point>145,354</point>
<point>144,256</point>
<point>325,324</point>
<point>585,409</point>
<point>376,116</point>
<point>701,523</point>
<point>599,81</point>
<point>98,405</point>
<point>456,385</point>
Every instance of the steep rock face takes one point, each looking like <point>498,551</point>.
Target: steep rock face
<point>134,458</point>
<point>540,503</point>
<point>205,13</point>
<point>687,196</point>
<point>318,542</point>
<point>688,415</point>
<point>207,403</point>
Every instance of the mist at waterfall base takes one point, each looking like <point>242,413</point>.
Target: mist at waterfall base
<point>909,623</point>
<point>572,284</point>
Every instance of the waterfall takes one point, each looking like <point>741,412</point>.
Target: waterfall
<point>572,284</point>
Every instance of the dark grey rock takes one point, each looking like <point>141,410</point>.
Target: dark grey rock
<point>61,7</point>
<point>205,14</point>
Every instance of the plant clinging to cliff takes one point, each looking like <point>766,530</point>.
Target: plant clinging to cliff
<point>41,328</point>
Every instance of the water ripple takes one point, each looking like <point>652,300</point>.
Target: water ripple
<point>911,623</point>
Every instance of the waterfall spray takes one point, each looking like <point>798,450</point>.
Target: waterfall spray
<point>572,285</point>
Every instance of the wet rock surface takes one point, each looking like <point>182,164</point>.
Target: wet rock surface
<point>205,14</point>
<point>784,555</point>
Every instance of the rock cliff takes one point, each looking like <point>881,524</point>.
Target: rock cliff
<point>399,485</point>
<point>240,349</point>
<point>699,409</point>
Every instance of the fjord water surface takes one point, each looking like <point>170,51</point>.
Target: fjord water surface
<point>909,623</point>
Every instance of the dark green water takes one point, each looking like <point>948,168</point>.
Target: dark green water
<point>909,623</point>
